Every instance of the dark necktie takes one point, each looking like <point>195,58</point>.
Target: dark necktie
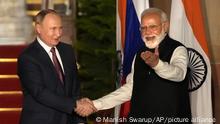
<point>57,65</point>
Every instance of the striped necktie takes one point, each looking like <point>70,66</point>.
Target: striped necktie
<point>57,65</point>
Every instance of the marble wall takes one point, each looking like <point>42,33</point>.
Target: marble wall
<point>15,25</point>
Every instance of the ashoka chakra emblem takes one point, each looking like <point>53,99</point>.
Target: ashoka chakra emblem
<point>197,70</point>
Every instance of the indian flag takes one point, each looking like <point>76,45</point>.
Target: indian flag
<point>187,26</point>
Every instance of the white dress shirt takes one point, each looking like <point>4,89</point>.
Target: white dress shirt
<point>47,49</point>
<point>175,71</point>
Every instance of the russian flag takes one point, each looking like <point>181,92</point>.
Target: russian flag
<point>128,37</point>
<point>186,25</point>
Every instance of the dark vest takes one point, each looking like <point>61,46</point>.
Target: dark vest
<point>154,96</point>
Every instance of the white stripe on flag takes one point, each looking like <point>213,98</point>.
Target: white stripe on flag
<point>118,30</point>
<point>140,6</point>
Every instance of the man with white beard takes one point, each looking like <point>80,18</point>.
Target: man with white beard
<point>157,84</point>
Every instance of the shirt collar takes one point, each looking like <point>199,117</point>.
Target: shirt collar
<point>45,46</point>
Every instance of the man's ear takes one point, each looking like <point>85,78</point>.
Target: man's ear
<point>166,26</point>
<point>37,28</point>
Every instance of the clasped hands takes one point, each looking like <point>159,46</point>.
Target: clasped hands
<point>151,58</point>
<point>85,107</point>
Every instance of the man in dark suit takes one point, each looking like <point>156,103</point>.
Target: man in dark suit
<point>48,73</point>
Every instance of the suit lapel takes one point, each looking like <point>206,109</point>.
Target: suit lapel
<point>65,63</point>
<point>43,55</point>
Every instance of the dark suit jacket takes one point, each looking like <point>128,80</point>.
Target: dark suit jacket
<point>46,100</point>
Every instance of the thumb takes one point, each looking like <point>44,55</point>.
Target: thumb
<point>156,51</point>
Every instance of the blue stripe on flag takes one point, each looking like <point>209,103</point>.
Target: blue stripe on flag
<point>133,39</point>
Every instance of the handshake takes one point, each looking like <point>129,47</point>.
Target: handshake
<point>85,107</point>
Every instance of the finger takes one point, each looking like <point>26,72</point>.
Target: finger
<point>79,110</point>
<point>143,55</point>
<point>83,113</point>
<point>148,54</point>
<point>91,107</point>
<point>86,112</point>
<point>89,101</point>
<point>156,51</point>
<point>79,106</point>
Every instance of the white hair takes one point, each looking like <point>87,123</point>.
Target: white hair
<point>161,13</point>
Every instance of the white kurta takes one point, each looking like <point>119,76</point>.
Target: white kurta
<point>174,71</point>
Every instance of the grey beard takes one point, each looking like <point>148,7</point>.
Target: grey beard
<point>156,41</point>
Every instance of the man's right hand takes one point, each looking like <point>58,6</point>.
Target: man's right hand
<point>84,107</point>
<point>151,58</point>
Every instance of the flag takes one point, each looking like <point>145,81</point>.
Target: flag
<point>128,37</point>
<point>187,26</point>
